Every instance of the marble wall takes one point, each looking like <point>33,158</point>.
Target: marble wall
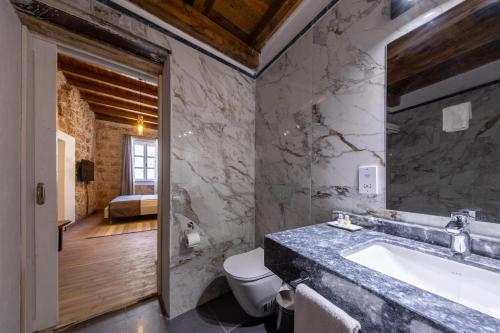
<point>283,142</point>
<point>213,128</point>
<point>212,156</point>
<point>434,172</point>
<point>332,82</point>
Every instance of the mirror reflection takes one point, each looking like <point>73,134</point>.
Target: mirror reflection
<point>443,114</point>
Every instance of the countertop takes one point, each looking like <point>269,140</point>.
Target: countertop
<point>381,303</point>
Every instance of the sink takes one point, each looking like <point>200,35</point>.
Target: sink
<point>471,286</point>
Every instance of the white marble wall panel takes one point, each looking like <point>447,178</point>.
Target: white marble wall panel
<point>283,141</point>
<point>348,89</point>
<point>213,128</point>
<point>453,170</point>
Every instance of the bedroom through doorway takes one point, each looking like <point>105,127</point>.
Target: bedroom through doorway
<point>107,181</point>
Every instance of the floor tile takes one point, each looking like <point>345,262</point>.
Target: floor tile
<point>101,326</point>
<point>197,320</point>
<point>227,311</point>
<point>222,315</point>
<point>146,319</point>
<point>257,325</point>
<point>151,306</point>
<point>142,318</point>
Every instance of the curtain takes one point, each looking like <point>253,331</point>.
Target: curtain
<point>157,167</point>
<point>127,180</point>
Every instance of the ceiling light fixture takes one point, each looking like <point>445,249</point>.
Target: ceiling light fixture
<point>140,125</point>
<point>140,119</point>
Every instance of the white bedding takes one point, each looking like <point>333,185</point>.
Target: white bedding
<point>149,204</point>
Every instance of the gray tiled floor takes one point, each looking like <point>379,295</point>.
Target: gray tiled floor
<point>222,315</point>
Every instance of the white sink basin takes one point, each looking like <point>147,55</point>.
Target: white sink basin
<point>471,286</point>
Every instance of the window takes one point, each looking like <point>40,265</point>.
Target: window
<point>144,152</point>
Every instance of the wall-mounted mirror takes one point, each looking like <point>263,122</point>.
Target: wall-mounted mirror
<point>443,114</point>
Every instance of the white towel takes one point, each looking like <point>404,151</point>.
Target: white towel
<point>315,314</point>
<point>456,117</point>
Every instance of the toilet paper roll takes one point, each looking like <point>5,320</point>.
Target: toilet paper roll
<point>192,239</point>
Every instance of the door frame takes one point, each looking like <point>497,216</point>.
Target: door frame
<point>101,55</point>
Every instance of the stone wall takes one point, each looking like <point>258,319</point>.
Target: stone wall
<point>75,118</point>
<point>98,141</point>
<point>109,159</point>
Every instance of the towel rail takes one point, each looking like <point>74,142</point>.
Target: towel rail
<point>304,277</point>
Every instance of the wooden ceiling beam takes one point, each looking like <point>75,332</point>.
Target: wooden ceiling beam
<point>77,67</point>
<point>445,70</point>
<point>228,25</point>
<point>450,35</point>
<point>124,121</point>
<point>95,98</point>
<point>109,111</point>
<point>147,113</point>
<point>203,6</point>
<point>457,41</point>
<point>244,14</point>
<point>86,84</point>
<point>77,73</point>
<point>274,18</point>
<point>193,22</point>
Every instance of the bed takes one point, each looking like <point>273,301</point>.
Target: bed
<point>131,205</point>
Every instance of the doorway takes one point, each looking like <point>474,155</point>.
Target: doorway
<point>107,259</point>
<point>111,253</point>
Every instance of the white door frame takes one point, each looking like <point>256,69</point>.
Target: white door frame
<point>39,306</point>
<point>69,170</point>
<point>164,190</point>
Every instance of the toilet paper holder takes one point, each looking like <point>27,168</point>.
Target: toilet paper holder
<point>191,237</point>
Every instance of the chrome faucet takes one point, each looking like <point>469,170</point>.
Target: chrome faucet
<point>458,228</point>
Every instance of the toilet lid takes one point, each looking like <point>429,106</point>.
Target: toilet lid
<point>247,266</point>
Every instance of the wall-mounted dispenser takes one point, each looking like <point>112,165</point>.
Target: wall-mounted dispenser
<point>368,179</point>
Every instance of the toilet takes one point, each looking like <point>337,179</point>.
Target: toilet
<point>253,285</point>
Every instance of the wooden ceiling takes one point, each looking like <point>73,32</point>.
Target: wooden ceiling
<point>112,96</point>
<point>459,40</point>
<point>237,28</point>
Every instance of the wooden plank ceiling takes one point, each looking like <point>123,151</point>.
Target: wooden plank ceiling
<point>461,39</point>
<point>112,96</point>
<point>237,28</point>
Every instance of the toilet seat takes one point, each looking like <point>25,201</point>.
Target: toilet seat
<point>247,266</point>
<point>253,285</point>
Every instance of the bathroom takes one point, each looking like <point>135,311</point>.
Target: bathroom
<point>348,185</point>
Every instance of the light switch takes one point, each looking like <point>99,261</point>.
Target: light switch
<point>368,179</point>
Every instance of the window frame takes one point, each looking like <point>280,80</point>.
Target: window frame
<point>145,142</point>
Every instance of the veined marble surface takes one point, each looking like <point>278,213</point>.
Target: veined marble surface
<point>212,158</point>
<point>435,172</point>
<point>435,235</point>
<point>332,78</point>
<point>213,110</point>
<point>379,302</point>
<point>349,90</point>
<point>283,142</point>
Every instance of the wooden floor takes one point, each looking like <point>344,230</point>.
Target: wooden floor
<point>97,275</point>
<point>128,226</point>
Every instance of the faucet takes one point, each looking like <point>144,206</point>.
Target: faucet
<point>458,228</point>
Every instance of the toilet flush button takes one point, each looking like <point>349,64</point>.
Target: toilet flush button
<point>368,179</point>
